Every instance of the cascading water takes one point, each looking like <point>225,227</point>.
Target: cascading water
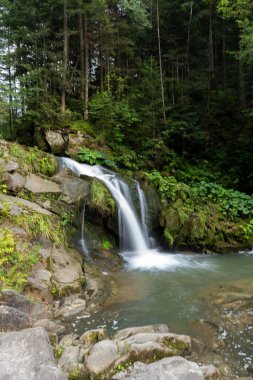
<point>134,239</point>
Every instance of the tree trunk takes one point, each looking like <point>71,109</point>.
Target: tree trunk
<point>82,63</point>
<point>87,69</point>
<point>65,61</point>
<point>160,62</point>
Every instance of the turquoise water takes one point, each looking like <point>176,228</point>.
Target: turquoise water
<point>188,290</point>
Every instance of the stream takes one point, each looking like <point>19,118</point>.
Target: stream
<point>209,297</point>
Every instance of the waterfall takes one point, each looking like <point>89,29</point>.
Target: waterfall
<point>132,236</point>
<point>134,239</point>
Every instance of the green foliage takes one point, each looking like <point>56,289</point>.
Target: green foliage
<point>38,225</point>
<point>95,157</point>
<point>58,351</point>
<point>32,160</point>
<point>232,204</point>
<point>101,199</point>
<point>15,263</point>
<point>66,219</point>
<point>247,230</point>
<point>107,245</point>
<point>168,186</point>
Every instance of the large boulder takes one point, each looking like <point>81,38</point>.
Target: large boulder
<point>102,357</point>
<point>27,355</point>
<point>15,300</point>
<point>67,272</point>
<point>12,319</point>
<point>41,184</point>
<point>130,331</point>
<point>57,141</point>
<point>175,368</point>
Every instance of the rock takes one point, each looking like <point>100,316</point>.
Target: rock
<point>17,205</point>
<point>57,141</point>
<point>73,188</point>
<point>102,357</point>
<point>72,306</point>
<point>40,284</point>
<point>67,271</point>
<point>14,182</point>
<point>70,359</point>
<point>41,184</point>
<point>13,320</point>
<point>210,372</point>
<point>176,368</point>
<point>15,300</point>
<point>93,336</point>
<point>75,143</point>
<point>27,355</point>
<point>69,340</point>
<point>126,333</point>
<point>41,310</point>
<point>10,166</point>
<point>50,326</point>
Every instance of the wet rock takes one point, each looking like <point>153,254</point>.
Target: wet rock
<point>102,357</point>
<point>50,326</point>
<point>57,141</point>
<point>15,300</point>
<point>27,355</point>
<point>165,369</point>
<point>210,372</point>
<point>13,320</point>
<point>93,336</point>
<point>41,184</point>
<point>128,332</point>
<point>40,285</point>
<point>72,306</point>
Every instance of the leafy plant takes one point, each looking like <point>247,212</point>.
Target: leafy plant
<point>15,263</point>
<point>95,157</point>
<point>107,245</point>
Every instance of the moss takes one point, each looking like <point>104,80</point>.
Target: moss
<point>101,199</point>
<point>30,160</point>
<point>168,237</point>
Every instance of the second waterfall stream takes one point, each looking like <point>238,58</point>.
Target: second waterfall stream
<point>133,233</point>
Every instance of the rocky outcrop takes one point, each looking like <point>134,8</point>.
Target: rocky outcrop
<point>169,369</point>
<point>57,141</point>
<point>27,355</point>
<point>12,319</point>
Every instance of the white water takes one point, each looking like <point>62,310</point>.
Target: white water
<point>134,239</point>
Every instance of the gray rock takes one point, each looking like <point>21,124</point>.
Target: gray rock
<point>27,355</point>
<point>16,205</point>
<point>73,188</point>
<point>69,340</point>
<point>67,270</point>
<point>16,300</point>
<point>126,333</point>
<point>210,372</point>
<point>11,166</point>
<point>175,368</point>
<point>102,357</point>
<point>13,320</point>
<point>57,141</point>
<point>50,326</point>
<point>72,306</point>
<point>41,310</point>
<point>14,182</point>
<point>41,184</point>
<point>69,359</point>
<point>91,337</point>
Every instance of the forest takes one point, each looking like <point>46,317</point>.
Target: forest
<point>175,79</point>
<point>126,189</point>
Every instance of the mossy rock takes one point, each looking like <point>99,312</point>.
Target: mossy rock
<point>101,199</point>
